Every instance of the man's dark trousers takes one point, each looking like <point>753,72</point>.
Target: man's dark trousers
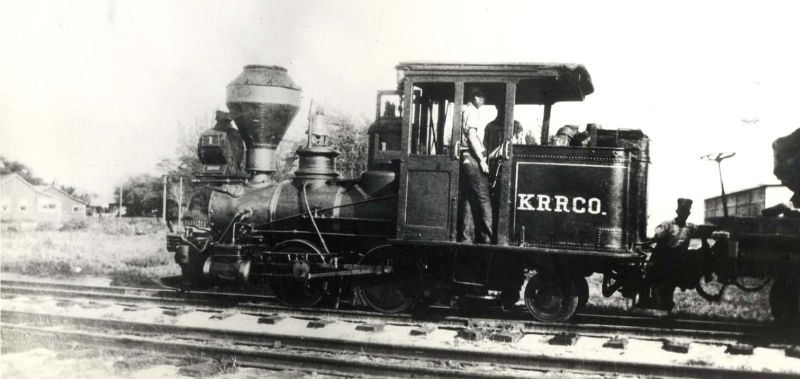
<point>474,202</point>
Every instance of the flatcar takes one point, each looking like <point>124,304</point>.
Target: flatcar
<point>388,238</point>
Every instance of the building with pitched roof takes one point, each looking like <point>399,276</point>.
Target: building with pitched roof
<point>71,206</point>
<point>22,201</point>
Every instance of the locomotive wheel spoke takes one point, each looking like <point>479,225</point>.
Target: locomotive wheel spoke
<point>298,292</point>
<point>550,299</point>
<point>396,292</point>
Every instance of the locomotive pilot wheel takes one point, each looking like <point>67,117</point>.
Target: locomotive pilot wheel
<point>294,291</point>
<point>395,292</point>
<point>549,298</point>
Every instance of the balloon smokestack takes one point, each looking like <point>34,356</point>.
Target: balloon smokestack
<point>262,101</point>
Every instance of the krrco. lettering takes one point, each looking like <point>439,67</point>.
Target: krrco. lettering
<point>559,203</point>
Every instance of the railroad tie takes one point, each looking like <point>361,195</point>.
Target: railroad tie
<point>370,328</point>
<point>676,346</point>
<point>66,303</point>
<point>470,334</point>
<point>616,343</point>
<point>175,312</point>
<point>94,305</point>
<point>740,349</point>
<point>422,330</point>
<point>317,324</point>
<point>564,339</point>
<point>223,315</point>
<point>506,336</point>
<point>136,307</point>
<point>270,320</point>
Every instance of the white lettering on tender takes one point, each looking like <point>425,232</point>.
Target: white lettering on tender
<point>525,202</point>
<point>544,203</point>
<point>562,203</point>
<point>578,208</point>
<point>594,206</point>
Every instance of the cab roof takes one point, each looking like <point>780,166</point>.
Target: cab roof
<point>537,83</point>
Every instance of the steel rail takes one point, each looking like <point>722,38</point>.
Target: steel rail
<point>310,361</point>
<point>507,359</point>
<point>587,325</point>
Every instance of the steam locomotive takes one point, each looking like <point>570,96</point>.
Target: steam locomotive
<point>388,239</point>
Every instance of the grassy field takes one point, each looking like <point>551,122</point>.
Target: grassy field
<point>128,251</point>
<point>131,252</point>
<point>735,305</point>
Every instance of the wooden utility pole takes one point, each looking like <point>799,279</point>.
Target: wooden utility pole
<point>164,202</point>
<point>180,201</point>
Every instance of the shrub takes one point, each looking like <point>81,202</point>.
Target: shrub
<point>131,226</point>
<point>46,226</point>
<point>74,224</point>
<point>158,258</point>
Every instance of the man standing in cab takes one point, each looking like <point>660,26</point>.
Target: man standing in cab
<point>474,202</point>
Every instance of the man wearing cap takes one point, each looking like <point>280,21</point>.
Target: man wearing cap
<point>474,203</point>
<point>672,239</point>
<point>564,135</point>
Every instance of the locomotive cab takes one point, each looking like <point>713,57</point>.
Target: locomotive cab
<point>537,189</point>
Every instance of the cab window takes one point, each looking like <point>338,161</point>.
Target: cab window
<point>432,118</point>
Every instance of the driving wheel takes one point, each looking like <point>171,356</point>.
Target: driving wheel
<point>549,298</point>
<point>396,291</point>
<point>294,290</point>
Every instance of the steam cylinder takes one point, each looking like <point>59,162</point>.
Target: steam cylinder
<point>262,100</point>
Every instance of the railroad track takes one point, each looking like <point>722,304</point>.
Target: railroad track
<point>511,344</point>
<point>267,349</point>
<point>583,324</point>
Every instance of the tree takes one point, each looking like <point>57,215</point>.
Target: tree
<point>8,166</point>
<point>287,164</point>
<point>185,165</point>
<point>349,137</point>
<point>74,192</point>
<point>141,195</point>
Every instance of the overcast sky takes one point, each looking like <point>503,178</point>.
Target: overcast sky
<point>94,91</point>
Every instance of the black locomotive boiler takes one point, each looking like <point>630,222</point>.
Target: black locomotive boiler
<point>388,238</point>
